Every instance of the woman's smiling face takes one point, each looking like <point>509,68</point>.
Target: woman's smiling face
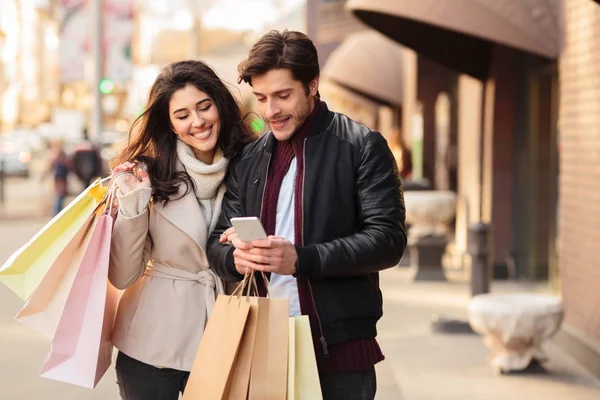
<point>195,119</point>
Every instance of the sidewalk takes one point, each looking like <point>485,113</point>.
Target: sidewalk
<point>422,365</point>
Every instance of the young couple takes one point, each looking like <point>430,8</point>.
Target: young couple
<point>326,189</point>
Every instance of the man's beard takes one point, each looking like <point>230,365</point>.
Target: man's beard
<point>303,112</point>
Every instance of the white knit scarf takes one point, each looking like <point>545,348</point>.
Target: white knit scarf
<point>208,178</point>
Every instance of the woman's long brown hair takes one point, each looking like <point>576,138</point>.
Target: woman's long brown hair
<point>151,137</point>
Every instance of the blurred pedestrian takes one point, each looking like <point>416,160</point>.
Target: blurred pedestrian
<point>59,167</point>
<point>178,155</point>
<point>87,162</point>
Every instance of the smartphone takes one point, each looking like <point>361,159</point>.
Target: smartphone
<point>248,228</point>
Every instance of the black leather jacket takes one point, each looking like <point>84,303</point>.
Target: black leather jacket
<point>354,220</point>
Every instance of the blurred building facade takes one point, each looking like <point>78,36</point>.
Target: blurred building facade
<point>334,31</point>
<point>46,60</point>
<point>579,188</point>
<point>538,119</point>
<point>28,62</point>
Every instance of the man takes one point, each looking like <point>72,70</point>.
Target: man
<point>328,193</point>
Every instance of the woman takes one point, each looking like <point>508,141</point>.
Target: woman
<point>178,153</point>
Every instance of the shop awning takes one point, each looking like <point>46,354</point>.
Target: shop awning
<point>369,63</point>
<point>460,34</point>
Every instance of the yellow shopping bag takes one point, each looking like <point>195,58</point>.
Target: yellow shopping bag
<point>26,268</point>
<point>303,376</point>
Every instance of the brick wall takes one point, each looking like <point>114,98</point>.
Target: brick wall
<point>579,187</point>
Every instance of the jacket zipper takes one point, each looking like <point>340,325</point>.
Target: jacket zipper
<point>322,339</point>
<point>262,201</point>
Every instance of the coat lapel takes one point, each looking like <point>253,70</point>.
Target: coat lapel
<point>185,214</point>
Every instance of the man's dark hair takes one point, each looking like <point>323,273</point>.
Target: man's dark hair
<point>277,50</point>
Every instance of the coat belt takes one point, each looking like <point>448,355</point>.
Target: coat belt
<point>205,277</point>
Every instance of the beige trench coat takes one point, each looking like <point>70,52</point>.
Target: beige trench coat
<point>159,258</point>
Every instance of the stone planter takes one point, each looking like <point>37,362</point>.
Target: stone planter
<point>409,186</point>
<point>429,214</point>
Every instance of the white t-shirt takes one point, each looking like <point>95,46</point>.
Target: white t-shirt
<point>285,286</point>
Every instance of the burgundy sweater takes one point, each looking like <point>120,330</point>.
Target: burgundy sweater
<point>352,356</point>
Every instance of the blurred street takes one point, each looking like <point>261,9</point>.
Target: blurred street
<point>33,196</point>
<point>29,197</point>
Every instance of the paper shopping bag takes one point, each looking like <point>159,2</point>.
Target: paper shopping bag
<point>239,381</point>
<point>268,378</point>
<point>25,269</point>
<point>81,350</point>
<point>218,348</point>
<point>291,383</point>
<point>303,377</point>
<point>43,309</point>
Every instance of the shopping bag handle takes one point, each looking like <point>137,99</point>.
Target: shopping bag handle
<point>112,188</point>
<point>267,284</point>
<point>249,285</point>
<point>239,291</point>
<point>109,198</point>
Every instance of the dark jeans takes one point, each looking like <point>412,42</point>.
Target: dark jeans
<point>349,386</point>
<point>139,381</point>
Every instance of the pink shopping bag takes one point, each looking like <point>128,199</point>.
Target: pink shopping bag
<point>43,309</point>
<point>81,350</point>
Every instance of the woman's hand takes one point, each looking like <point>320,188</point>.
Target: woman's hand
<point>228,236</point>
<point>130,182</point>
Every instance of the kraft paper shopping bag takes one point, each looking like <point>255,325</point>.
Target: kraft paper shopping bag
<point>26,268</point>
<point>291,383</point>
<point>303,382</point>
<point>81,350</point>
<point>239,381</point>
<point>218,349</point>
<point>44,308</point>
<point>268,377</point>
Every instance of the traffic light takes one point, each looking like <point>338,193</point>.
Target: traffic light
<point>106,86</point>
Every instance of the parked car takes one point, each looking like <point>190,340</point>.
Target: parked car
<point>15,156</point>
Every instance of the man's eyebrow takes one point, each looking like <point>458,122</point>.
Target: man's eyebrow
<point>277,92</point>
<point>197,104</point>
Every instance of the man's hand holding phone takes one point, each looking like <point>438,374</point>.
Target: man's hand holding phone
<point>255,251</point>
